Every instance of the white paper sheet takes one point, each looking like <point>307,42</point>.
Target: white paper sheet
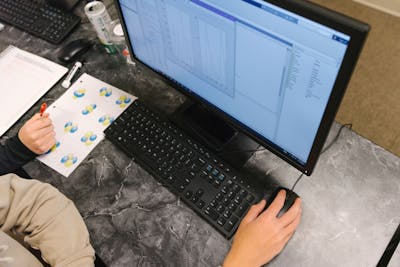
<point>24,79</point>
<point>80,116</point>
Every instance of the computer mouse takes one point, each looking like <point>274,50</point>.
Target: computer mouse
<point>74,50</point>
<point>291,197</point>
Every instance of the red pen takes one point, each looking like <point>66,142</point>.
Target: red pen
<point>42,109</point>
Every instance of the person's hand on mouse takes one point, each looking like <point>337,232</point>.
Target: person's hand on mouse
<point>261,235</point>
<point>38,134</point>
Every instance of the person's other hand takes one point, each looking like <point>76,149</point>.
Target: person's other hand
<point>38,134</point>
<point>260,237</point>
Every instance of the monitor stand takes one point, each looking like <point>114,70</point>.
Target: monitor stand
<point>215,133</point>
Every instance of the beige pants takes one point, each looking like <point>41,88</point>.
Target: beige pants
<point>48,221</point>
<point>14,254</point>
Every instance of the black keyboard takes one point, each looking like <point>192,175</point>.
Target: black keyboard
<point>202,180</point>
<point>38,18</point>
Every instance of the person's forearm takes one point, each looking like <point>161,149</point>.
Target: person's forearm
<point>49,220</point>
<point>13,155</point>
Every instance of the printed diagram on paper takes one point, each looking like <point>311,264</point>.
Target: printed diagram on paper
<point>80,116</point>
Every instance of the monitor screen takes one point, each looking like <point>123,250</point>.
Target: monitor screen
<point>269,69</point>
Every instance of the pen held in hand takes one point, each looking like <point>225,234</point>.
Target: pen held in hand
<point>42,109</point>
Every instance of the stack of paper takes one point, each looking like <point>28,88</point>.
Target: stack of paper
<point>24,79</point>
<point>80,116</point>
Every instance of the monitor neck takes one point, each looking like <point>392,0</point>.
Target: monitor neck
<point>215,133</point>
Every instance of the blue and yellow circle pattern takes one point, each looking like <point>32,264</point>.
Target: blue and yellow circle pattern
<point>88,138</point>
<point>122,101</point>
<point>79,93</point>
<point>69,160</point>
<point>105,92</point>
<point>70,127</point>
<point>53,148</point>
<point>106,120</point>
<point>89,109</point>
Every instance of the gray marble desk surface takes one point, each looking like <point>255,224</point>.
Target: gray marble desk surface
<point>350,204</point>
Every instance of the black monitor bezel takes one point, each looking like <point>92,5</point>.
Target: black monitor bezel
<point>357,31</point>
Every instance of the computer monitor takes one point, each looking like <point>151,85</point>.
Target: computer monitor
<point>276,70</point>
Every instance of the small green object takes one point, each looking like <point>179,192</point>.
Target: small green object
<point>110,48</point>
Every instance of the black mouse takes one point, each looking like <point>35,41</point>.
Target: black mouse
<point>289,200</point>
<point>74,50</point>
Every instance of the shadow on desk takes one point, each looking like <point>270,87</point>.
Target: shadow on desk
<point>21,173</point>
<point>99,262</point>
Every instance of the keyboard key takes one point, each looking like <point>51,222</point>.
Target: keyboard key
<point>221,177</point>
<point>231,194</point>
<point>224,189</point>
<point>199,192</point>
<point>227,213</point>
<point>225,201</point>
<point>242,193</point>
<point>231,223</point>
<point>241,209</point>
<point>211,213</point>
<point>188,194</point>
<point>229,183</point>
<point>249,198</point>
<point>232,207</point>
<point>194,167</point>
<point>220,208</point>
<point>200,204</point>
<point>217,183</point>
<point>238,200</point>
<point>181,188</point>
<point>190,154</point>
<point>215,172</point>
<point>171,179</point>
<point>202,161</point>
<point>209,168</point>
<point>236,188</point>
<point>186,181</point>
<point>194,199</point>
<point>221,221</point>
